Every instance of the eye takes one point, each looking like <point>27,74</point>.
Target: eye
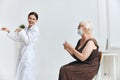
<point>34,19</point>
<point>79,26</point>
<point>29,18</point>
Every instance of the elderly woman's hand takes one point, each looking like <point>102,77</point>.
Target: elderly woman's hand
<point>5,29</point>
<point>67,46</point>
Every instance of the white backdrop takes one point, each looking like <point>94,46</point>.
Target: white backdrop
<point>114,18</point>
<point>58,21</point>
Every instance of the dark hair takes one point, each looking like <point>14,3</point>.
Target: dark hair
<point>33,13</point>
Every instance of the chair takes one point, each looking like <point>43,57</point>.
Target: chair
<point>96,77</point>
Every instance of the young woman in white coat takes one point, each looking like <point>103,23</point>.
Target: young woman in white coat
<point>27,37</point>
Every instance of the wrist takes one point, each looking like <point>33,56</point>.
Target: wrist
<point>8,31</point>
<point>74,51</point>
<point>71,50</point>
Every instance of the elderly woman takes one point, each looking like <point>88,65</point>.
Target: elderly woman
<point>86,54</point>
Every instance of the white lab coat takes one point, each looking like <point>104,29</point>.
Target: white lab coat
<point>26,59</point>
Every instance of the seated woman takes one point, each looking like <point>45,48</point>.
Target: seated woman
<point>86,54</point>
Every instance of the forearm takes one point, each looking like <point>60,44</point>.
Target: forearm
<point>13,36</point>
<point>24,36</point>
<point>29,37</point>
<point>70,52</point>
<point>78,55</point>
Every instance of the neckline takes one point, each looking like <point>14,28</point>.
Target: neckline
<point>82,45</point>
<point>31,27</point>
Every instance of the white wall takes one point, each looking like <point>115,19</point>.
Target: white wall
<point>58,21</point>
<point>114,18</point>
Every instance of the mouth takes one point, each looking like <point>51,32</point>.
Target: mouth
<point>30,22</point>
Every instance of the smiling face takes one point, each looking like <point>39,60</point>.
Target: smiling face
<point>32,20</point>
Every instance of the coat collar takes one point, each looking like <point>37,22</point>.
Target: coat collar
<point>31,27</point>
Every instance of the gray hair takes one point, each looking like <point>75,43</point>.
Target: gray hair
<point>88,25</point>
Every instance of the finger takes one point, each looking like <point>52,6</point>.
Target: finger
<point>16,30</point>
<point>64,45</point>
<point>3,28</point>
<point>65,48</point>
<point>65,41</point>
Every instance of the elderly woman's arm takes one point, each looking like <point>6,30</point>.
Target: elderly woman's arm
<point>90,46</point>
